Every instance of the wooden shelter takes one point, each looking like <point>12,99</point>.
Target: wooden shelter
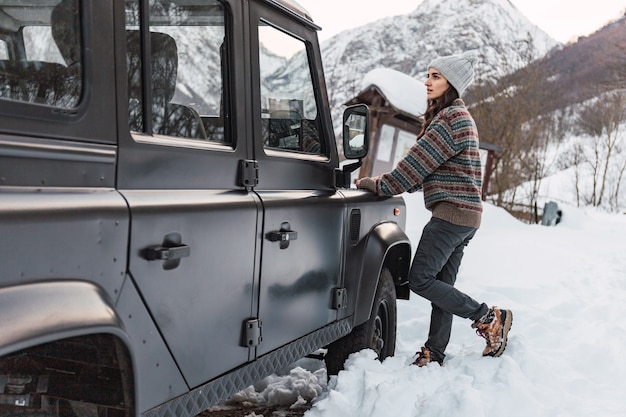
<point>396,102</point>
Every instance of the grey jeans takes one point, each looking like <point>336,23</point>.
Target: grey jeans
<point>433,274</point>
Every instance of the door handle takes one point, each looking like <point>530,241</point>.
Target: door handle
<point>284,235</point>
<point>171,251</point>
<point>154,253</point>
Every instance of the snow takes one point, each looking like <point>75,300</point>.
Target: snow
<point>566,286</point>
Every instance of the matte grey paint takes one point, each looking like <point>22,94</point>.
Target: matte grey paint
<point>81,199</point>
<point>55,310</point>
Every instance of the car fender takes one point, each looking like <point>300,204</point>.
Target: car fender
<point>386,246</point>
<point>41,312</point>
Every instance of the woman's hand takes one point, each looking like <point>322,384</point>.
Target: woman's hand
<point>368,183</point>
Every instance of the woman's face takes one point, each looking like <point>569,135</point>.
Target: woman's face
<point>435,84</point>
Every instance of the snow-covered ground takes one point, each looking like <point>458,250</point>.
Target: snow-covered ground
<point>566,286</point>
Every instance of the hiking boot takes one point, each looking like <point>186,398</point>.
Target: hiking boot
<point>424,358</point>
<point>494,327</point>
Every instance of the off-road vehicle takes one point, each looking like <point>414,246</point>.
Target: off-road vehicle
<point>175,223</point>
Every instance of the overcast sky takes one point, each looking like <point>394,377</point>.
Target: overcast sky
<point>564,20</point>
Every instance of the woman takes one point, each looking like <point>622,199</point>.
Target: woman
<point>445,162</point>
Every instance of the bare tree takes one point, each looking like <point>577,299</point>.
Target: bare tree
<point>507,113</point>
<point>615,197</point>
<point>601,121</point>
<point>573,158</point>
<point>545,134</point>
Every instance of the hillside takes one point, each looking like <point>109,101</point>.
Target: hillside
<point>578,71</point>
<point>589,67</point>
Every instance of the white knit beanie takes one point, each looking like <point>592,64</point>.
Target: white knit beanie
<point>457,69</point>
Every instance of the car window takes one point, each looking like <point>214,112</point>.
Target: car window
<point>288,107</point>
<point>40,52</point>
<point>188,55</point>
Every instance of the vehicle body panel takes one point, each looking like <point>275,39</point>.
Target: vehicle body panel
<point>158,378</point>
<point>200,305</point>
<point>210,261</point>
<point>297,278</point>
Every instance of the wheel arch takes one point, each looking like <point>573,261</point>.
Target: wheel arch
<point>42,317</point>
<point>386,246</point>
<point>41,312</point>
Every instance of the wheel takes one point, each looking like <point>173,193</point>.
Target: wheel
<point>377,333</point>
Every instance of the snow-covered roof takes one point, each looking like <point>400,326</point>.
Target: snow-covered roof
<point>403,92</point>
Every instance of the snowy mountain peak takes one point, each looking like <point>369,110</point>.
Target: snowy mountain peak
<point>407,43</point>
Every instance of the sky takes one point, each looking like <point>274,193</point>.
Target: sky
<point>565,285</point>
<point>564,20</point>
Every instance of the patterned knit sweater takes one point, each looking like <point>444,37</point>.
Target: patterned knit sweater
<point>445,162</point>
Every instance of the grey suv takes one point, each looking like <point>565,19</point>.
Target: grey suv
<point>174,220</point>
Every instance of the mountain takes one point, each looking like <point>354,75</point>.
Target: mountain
<point>508,44</point>
<point>559,81</point>
<point>407,43</point>
<point>589,67</point>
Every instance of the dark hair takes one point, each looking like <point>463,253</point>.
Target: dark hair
<point>438,104</point>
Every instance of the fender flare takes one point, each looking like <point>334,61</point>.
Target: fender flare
<point>41,312</point>
<point>386,246</point>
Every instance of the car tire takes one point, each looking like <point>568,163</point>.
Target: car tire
<point>377,333</point>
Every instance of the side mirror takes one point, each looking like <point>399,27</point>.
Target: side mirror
<point>356,131</point>
<point>356,135</point>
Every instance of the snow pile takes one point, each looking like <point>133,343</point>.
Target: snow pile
<point>402,91</point>
<point>296,389</point>
<point>565,286</point>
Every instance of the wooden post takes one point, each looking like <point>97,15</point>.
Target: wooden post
<point>487,175</point>
<point>377,113</point>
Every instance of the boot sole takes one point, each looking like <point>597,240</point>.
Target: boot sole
<point>508,321</point>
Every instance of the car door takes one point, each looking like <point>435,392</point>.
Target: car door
<point>302,213</point>
<point>193,228</point>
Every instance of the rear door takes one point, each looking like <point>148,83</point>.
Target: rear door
<point>303,215</point>
<point>194,230</point>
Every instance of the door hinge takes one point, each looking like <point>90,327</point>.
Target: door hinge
<point>340,298</point>
<point>252,334</point>
<point>248,173</point>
